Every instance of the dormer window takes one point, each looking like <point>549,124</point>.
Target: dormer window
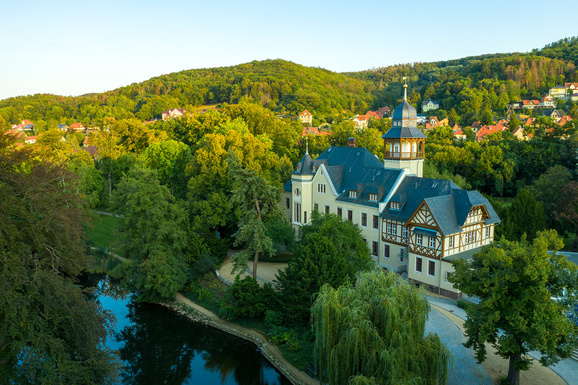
<point>352,194</point>
<point>373,197</point>
<point>394,205</point>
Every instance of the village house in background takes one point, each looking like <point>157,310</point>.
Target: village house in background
<point>414,226</point>
<point>173,113</point>
<point>429,105</point>
<point>306,117</point>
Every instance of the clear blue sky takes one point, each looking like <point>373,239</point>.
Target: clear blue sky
<point>75,47</point>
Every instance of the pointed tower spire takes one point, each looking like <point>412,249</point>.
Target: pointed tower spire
<point>404,88</point>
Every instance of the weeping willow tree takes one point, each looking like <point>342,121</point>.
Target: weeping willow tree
<point>374,334</point>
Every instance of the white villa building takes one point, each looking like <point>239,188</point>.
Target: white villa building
<point>411,224</point>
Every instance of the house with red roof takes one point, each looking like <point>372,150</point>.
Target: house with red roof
<point>306,117</point>
<point>173,113</point>
<point>383,111</point>
<point>548,101</point>
<point>30,139</point>
<point>487,130</point>
<point>76,127</point>
<point>314,131</point>
<point>361,121</point>
<point>457,131</point>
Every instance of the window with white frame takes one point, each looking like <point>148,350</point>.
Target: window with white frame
<point>394,205</point>
<point>487,232</point>
<point>432,242</point>
<point>321,188</point>
<point>418,264</point>
<point>352,194</point>
<point>393,229</point>
<point>404,232</point>
<point>419,239</point>
<point>373,197</point>
<point>451,242</point>
<point>388,228</point>
<point>364,219</point>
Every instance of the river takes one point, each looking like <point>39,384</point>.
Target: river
<point>158,346</point>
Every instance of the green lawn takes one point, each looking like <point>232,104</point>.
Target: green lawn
<point>102,232</point>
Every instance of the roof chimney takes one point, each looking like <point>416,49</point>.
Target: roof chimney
<point>351,142</point>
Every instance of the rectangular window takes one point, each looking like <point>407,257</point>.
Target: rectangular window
<point>473,236</point>
<point>431,270</point>
<point>287,203</point>
<point>487,232</point>
<point>386,251</point>
<point>393,229</point>
<point>432,242</point>
<point>388,227</point>
<point>373,197</point>
<point>418,262</point>
<point>419,239</point>
<point>447,276</point>
<point>352,194</point>
<point>451,240</point>
<point>297,212</point>
<point>349,215</point>
<point>326,209</point>
<point>304,216</point>
<point>315,207</point>
<point>374,247</point>
<point>321,188</point>
<point>364,219</point>
<point>405,233</point>
<point>375,221</point>
<point>340,212</point>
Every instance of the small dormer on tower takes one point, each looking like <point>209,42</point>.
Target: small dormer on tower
<point>404,143</point>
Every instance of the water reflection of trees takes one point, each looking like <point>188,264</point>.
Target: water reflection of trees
<point>159,348</point>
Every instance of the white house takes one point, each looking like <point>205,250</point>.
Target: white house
<point>411,224</point>
<point>429,104</point>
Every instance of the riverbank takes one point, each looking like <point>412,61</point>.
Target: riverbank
<point>269,350</point>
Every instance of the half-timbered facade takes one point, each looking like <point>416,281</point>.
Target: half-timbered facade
<point>414,226</point>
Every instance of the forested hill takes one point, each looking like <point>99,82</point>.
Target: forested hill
<point>478,87</point>
<point>276,84</point>
<point>469,89</point>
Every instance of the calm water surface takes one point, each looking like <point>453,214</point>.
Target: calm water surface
<point>158,346</point>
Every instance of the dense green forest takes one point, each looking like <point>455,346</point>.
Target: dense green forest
<point>469,89</point>
<point>480,87</point>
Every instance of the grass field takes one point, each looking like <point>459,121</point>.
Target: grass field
<point>102,232</point>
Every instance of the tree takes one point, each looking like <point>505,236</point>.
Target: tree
<point>256,202</point>
<point>373,333</point>
<point>517,283</point>
<point>524,216</point>
<point>331,251</point>
<point>170,159</point>
<point>154,236</point>
<point>50,332</point>
<point>549,188</point>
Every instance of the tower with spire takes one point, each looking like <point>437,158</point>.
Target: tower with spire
<point>404,143</point>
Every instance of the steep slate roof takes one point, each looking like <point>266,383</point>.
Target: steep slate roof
<point>412,191</point>
<point>355,168</point>
<point>448,203</point>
